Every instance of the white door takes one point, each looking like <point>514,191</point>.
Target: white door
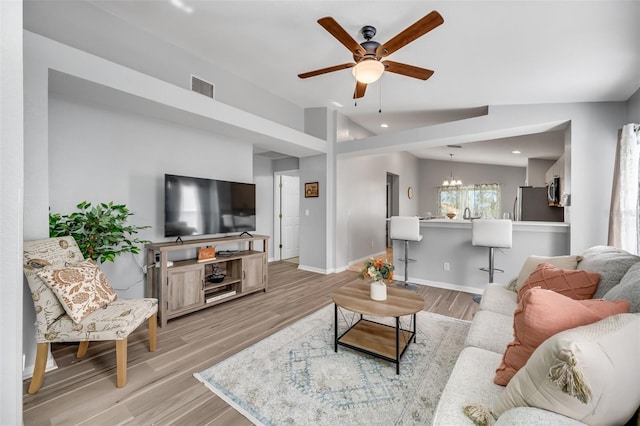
<point>290,219</point>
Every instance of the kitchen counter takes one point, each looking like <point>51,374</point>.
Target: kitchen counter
<point>445,257</point>
<point>460,222</point>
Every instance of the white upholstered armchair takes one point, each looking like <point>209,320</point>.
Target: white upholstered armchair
<point>74,303</point>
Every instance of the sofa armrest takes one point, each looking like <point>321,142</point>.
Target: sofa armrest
<point>534,416</point>
<point>497,298</point>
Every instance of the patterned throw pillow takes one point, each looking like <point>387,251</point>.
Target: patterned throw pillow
<point>541,314</point>
<point>578,285</point>
<point>81,288</point>
<point>532,262</point>
<point>588,373</point>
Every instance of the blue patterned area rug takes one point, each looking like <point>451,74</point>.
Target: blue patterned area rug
<point>294,377</point>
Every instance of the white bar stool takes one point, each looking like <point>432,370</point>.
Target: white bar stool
<point>492,233</point>
<point>405,228</point>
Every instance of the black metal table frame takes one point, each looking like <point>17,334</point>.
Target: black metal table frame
<point>398,329</point>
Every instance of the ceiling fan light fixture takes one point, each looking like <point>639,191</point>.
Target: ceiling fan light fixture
<point>368,70</point>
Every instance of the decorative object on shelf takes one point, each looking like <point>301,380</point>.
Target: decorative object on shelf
<point>451,215</point>
<point>451,180</point>
<point>102,232</point>
<point>410,192</point>
<point>216,276</point>
<point>378,270</point>
<point>206,253</point>
<point>310,189</point>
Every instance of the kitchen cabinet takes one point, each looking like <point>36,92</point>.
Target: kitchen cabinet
<point>556,170</point>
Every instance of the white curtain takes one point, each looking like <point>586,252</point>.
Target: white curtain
<point>624,216</point>
<point>483,200</point>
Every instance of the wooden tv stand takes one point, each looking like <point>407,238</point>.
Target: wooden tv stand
<point>183,288</point>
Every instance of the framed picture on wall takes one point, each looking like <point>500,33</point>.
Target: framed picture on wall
<point>310,189</point>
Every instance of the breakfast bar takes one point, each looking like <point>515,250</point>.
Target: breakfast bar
<point>446,258</point>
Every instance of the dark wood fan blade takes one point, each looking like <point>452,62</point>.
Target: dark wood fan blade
<point>418,29</point>
<point>408,70</point>
<point>326,70</point>
<point>360,89</point>
<point>330,24</point>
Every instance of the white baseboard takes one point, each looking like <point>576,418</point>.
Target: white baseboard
<point>312,269</point>
<point>397,277</point>
<point>362,259</point>
<point>340,269</point>
<point>438,284</point>
<point>27,370</point>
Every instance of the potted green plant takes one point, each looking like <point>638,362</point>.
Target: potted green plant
<point>101,231</point>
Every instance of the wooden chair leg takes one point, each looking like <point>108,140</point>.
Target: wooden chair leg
<point>82,349</point>
<point>121,363</point>
<point>153,332</point>
<point>42,351</point>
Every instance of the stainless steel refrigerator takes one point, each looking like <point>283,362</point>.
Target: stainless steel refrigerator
<point>532,204</point>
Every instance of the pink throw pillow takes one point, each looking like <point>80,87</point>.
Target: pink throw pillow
<point>542,313</point>
<point>576,284</point>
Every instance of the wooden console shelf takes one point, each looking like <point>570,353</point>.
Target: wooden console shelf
<point>183,288</point>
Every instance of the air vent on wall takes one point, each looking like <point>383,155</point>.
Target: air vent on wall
<point>201,86</point>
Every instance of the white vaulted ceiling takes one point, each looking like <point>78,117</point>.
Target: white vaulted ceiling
<point>485,53</point>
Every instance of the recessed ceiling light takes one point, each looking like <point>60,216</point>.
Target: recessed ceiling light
<point>335,103</point>
<point>180,5</point>
<point>516,152</point>
<point>385,125</point>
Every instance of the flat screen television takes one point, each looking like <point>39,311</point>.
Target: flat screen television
<point>197,206</point>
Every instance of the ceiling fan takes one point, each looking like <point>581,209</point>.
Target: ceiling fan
<point>369,66</point>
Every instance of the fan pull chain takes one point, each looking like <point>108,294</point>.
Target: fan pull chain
<point>380,98</point>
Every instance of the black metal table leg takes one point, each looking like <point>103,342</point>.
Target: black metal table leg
<point>397,345</point>
<point>415,329</point>
<point>335,325</point>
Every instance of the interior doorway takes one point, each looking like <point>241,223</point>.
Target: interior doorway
<point>393,201</point>
<point>286,215</point>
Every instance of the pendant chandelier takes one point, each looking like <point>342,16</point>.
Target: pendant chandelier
<point>451,180</point>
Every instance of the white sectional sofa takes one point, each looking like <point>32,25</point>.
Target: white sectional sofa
<point>472,380</point>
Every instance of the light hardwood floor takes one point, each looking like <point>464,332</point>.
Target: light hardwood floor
<point>161,388</point>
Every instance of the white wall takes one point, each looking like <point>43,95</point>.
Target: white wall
<point>286,164</point>
<point>594,135</point>
<point>11,209</point>
<point>433,172</point>
<point>101,154</point>
<point>263,178</point>
<point>633,108</point>
<point>318,214</point>
<point>361,202</point>
<point>349,130</point>
<point>313,215</point>
<point>536,170</point>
